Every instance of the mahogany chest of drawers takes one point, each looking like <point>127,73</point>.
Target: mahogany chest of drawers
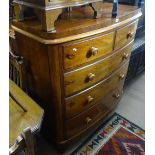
<point>78,71</point>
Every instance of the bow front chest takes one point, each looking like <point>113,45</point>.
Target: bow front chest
<point>77,71</point>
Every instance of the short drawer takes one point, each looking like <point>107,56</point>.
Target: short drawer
<point>84,77</point>
<point>81,52</point>
<point>82,101</point>
<point>93,115</point>
<point>125,35</point>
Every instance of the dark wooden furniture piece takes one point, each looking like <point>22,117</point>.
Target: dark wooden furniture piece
<point>77,71</point>
<point>49,10</point>
<point>25,118</point>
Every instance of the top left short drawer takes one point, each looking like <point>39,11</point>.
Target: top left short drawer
<point>80,52</point>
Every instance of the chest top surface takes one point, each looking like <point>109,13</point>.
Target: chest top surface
<point>78,24</point>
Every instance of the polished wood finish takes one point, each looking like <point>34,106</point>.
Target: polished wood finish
<point>88,75</point>
<point>87,50</point>
<point>48,11</point>
<point>93,114</point>
<point>125,35</point>
<point>18,118</point>
<point>97,7</point>
<point>83,100</point>
<point>57,67</point>
<point>48,18</point>
<point>81,24</point>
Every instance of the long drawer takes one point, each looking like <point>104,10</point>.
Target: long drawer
<point>125,35</point>
<point>84,77</point>
<point>95,114</point>
<point>77,53</point>
<point>82,101</point>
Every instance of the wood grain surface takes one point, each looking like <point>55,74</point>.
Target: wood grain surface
<point>81,101</point>
<point>82,78</point>
<point>81,52</point>
<point>58,66</point>
<point>125,34</point>
<point>80,25</point>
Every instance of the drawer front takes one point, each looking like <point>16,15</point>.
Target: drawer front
<point>95,114</point>
<point>78,53</point>
<point>125,35</point>
<point>82,78</point>
<point>82,101</point>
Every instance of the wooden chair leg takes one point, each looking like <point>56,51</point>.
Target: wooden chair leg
<point>17,70</point>
<point>27,135</point>
<point>19,12</point>
<point>97,8</point>
<point>17,147</point>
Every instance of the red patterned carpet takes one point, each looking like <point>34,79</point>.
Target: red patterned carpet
<point>123,142</point>
<point>117,136</point>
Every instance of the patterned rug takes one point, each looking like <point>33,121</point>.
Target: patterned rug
<point>117,136</point>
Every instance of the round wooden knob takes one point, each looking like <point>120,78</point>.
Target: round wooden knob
<point>121,76</point>
<point>90,99</point>
<point>88,120</point>
<point>94,50</point>
<point>116,95</point>
<point>130,35</point>
<point>72,55</point>
<point>91,76</point>
<point>125,55</point>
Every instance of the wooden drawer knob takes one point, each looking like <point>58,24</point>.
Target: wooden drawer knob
<point>71,56</point>
<point>125,55</point>
<point>90,99</point>
<point>88,120</point>
<point>91,76</point>
<point>121,76</point>
<point>130,35</point>
<point>94,50</point>
<point>116,95</point>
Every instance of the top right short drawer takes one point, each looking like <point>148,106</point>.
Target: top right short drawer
<point>125,34</point>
